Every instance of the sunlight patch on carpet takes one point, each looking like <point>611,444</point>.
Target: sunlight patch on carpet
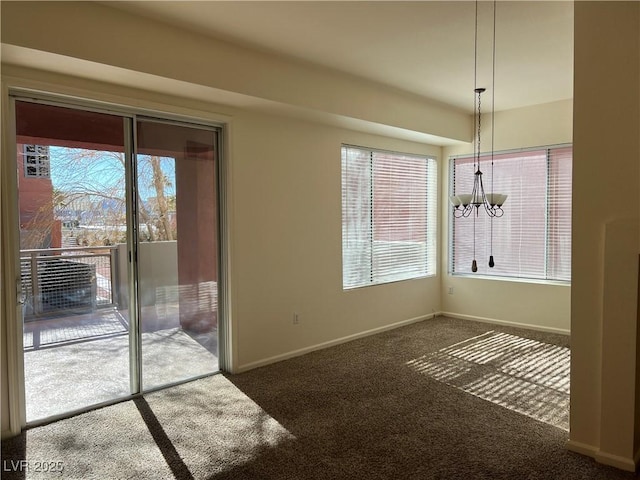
<point>198,430</point>
<point>523,375</point>
<point>214,426</point>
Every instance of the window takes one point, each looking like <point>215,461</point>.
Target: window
<point>36,161</point>
<point>389,216</point>
<point>533,238</point>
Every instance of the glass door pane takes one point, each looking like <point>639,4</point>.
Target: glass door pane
<point>176,169</point>
<point>71,184</point>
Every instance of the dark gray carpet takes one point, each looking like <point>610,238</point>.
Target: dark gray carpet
<point>375,408</point>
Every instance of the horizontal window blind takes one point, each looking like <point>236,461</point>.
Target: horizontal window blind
<point>389,216</point>
<point>559,214</point>
<point>533,237</point>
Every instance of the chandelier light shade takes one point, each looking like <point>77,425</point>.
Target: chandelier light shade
<point>470,204</point>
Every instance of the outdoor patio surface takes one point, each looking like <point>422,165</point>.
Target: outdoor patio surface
<point>51,331</point>
<point>75,362</point>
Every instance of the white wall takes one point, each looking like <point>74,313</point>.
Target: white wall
<point>604,317</point>
<point>530,304</point>
<point>287,247</point>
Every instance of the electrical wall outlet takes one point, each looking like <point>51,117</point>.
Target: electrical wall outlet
<point>450,290</point>
<point>296,318</point>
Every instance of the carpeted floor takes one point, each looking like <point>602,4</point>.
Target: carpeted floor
<point>412,403</point>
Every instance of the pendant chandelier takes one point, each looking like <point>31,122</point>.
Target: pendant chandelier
<point>466,204</point>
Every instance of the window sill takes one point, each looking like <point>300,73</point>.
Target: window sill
<point>558,283</point>
<point>389,282</point>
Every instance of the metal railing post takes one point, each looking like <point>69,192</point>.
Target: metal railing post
<point>35,285</point>
<point>113,271</point>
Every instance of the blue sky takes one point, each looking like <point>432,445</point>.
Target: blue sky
<point>74,169</point>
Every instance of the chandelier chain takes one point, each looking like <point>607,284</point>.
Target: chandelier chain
<point>479,128</point>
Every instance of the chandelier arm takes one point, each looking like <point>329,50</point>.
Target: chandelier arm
<point>488,208</point>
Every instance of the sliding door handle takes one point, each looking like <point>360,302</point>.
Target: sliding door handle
<point>20,293</point>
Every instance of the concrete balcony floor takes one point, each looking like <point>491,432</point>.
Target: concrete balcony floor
<point>79,360</point>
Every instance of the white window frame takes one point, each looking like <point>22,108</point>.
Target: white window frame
<point>485,160</point>
<point>367,262</point>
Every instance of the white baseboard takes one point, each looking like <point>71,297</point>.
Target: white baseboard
<point>529,326</point>
<point>582,448</point>
<point>623,463</point>
<point>331,343</point>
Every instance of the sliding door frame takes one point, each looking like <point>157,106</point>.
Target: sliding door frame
<point>12,300</point>
<point>10,281</point>
<point>131,195</point>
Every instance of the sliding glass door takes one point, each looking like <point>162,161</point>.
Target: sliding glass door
<point>177,251</point>
<point>119,254</point>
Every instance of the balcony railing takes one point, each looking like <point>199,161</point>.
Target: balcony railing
<point>59,280</point>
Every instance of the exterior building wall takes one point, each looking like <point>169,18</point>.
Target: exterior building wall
<point>197,239</point>
<point>38,228</point>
